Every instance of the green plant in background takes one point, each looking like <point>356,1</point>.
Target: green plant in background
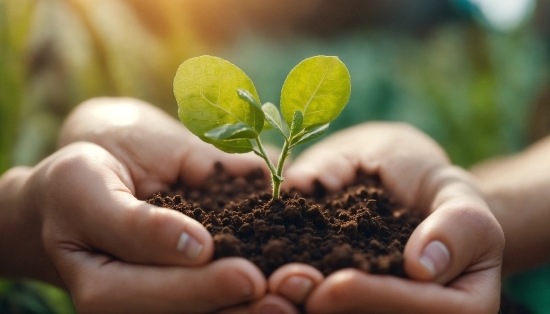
<point>218,102</point>
<point>14,29</point>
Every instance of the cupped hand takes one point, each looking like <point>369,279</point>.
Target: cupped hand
<point>114,252</point>
<point>453,258</point>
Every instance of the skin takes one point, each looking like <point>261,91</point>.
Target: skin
<point>75,220</point>
<point>417,171</point>
<point>516,187</point>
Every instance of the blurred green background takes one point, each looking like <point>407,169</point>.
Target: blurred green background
<point>474,75</point>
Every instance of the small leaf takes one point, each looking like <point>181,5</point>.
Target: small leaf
<point>248,97</point>
<point>273,116</point>
<point>310,133</point>
<point>232,131</point>
<point>205,91</point>
<point>238,146</point>
<point>267,126</point>
<point>319,87</point>
<point>296,124</point>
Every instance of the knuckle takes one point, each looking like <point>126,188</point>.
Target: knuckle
<point>481,224</point>
<point>153,226</point>
<point>71,161</point>
<point>65,166</point>
<point>146,219</point>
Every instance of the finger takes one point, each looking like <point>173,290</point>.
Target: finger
<point>398,153</point>
<point>447,242</point>
<point>269,304</point>
<point>353,291</point>
<point>331,161</point>
<point>272,303</point>
<point>101,285</point>
<point>294,281</point>
<point>156,157</point>
<point>100,213</point>
<point>239,309</point>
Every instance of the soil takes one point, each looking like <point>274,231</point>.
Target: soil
<point>361,227</point>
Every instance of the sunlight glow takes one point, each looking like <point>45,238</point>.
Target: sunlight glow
<point>120,114</point>
<point>505,15</point>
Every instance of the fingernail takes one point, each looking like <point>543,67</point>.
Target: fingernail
<point>271,309</point>
<point>435,257</point>
<point>296,288</point>
<point>243,284</point>
<point>189,246</point>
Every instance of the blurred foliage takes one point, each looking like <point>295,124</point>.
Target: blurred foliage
<point>470,89</point>
<point>531,288</point>
<point>473,89</point>
<point>14,28</point>
<point>33,297</point>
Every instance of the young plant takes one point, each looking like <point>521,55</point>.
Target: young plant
<point>218,103</point>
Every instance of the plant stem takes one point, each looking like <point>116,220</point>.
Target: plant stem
<point>280,165</point>
<point>276,180</point>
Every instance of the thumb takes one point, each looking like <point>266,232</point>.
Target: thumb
<point>144,233</point>
<point>447,243</point>
<point>100,213</point>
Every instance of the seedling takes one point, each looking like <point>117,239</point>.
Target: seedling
<point>218,103</point>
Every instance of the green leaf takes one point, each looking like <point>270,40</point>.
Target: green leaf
<point>319,87</point>
<point>311,133</point>
<point>238,146</point>
<point>205,91</point>
<point>248,97</point>
<point>273,116</point>
<point>267,125</point>
<point>297,123</point>
<point>232,131</point>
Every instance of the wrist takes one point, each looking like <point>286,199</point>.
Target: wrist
<point>23,255</point>
<point>11,221</point>
<point>516,189</point>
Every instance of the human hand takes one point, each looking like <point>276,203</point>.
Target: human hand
<point>453,257</point>
<point>113,252</point>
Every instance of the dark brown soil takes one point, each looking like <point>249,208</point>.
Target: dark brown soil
<point>362,228</point>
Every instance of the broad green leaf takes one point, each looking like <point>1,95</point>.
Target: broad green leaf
<point>319,87</point>
<point>205,89</point>
<point>232,131</point>
<point>273,116</point>
<point>248,97</point>
<point>314,132</point>
<point>297,123</point>
<point>238,146</point>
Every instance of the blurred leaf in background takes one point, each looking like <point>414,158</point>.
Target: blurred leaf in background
<point>78,49</point>
<point>471,89</point>
<point>14,29</point>
<point>33,297</point>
